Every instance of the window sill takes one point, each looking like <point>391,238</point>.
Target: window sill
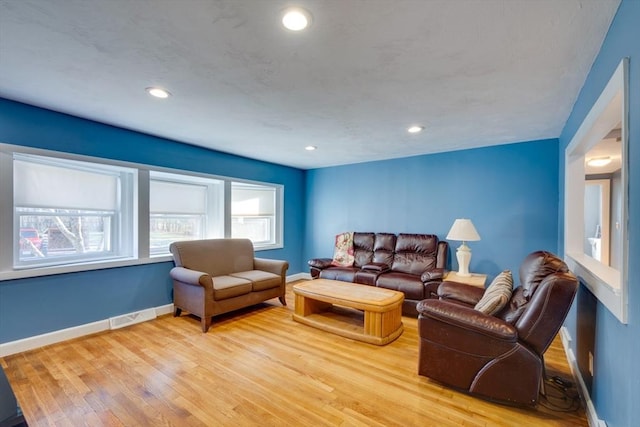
<point>74,268</point>
<point>603,281</point>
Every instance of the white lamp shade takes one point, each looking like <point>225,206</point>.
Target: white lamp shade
<point>463,230</point>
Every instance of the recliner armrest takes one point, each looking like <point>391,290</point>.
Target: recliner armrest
<point>460,292</point>
<point>433,274</point>
<point>191,277</point>
<point>379,267</point>
<point>468,319</point>
<point>320,262</point>
<point>274,266</point>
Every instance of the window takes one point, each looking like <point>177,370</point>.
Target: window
<point>183,207</point>
<point>255,213</point>
<point>69,211</point>
<point>63,213</point>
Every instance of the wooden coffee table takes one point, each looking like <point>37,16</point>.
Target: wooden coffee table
<point>328,305</point>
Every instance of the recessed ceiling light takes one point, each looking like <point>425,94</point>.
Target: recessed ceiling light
<point>157,92</point>
<point>415,129</point>
<point>599,161</point>
<point>296,19</point>
<point>310,147</point>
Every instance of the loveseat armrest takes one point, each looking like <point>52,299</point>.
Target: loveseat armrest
<point>379,267</point>
<point>191,277</point>
<point>433,274</point>
<point>466,318</point>
<point>320,262</point>
<point>274,266</point>
<point>460,292</point>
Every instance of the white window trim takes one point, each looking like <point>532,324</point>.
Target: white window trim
<point>609,285</point>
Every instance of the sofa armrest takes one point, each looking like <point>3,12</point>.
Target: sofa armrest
<point>191,277</point>
<point>274,266</point>
<point>379,267</point>
<point>320,262</point>
<point>466,318</point>
<point>460,292</point>
<point>433,274</point>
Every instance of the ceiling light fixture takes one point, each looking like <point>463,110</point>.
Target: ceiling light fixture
<point>415,129</point>
<point>310,147</point>
<point>158,92</point>
<point>599,161</point>
<point>296,19</point>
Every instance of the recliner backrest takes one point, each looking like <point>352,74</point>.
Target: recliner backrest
<point>362,248</point>
<point>536,266</point>
<point>540,304</point>
<point>383,249</point>
<point>415,253</point>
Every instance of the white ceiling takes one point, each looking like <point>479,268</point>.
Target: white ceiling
<point>474,73</point>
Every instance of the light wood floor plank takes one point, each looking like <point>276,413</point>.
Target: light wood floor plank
<point>253,367</point>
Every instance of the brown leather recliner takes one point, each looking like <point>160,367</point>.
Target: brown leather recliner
<point>496,357</point>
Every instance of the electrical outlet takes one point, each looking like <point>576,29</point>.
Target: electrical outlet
<point>591,363</point>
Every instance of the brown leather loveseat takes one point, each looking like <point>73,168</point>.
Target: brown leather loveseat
<point>410,263</point>
<point>498,357</point>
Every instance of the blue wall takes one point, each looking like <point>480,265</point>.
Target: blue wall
<point>35,306</point>
<point>616,383</point>
<point>510,192</point>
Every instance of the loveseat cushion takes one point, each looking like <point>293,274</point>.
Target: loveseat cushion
<point>225,287</point>
<point>261,280</point>
<point>411,285</point>
<point>415,253</point>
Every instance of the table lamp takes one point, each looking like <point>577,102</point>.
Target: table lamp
<point>463,231</point>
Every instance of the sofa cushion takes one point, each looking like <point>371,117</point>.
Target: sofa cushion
<point>225,287</point>
<point>415,253</point>
<point>260,280</point>
<point>362,248</point>
<point>497,295</point>
<point>411,285</point>
<point>383,249</point>
<point>343,250</point>
<point>344,274</point>
<point>217,257</point>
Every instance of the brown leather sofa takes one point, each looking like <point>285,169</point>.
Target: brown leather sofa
<point>411,263</point>
<point>216,276</point>
<point>496,357</point>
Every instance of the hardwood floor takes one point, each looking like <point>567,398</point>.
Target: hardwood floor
<point>253,367</point>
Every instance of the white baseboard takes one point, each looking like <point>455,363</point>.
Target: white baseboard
<point>26,344</point>
<point>298,276</point>
<point>37,341</point>
<point>592,415</point>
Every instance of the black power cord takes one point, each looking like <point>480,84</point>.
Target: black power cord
<point>560,395</point>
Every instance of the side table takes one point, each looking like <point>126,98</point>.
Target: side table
<point>475,279</point>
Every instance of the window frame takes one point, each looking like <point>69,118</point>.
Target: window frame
<point>278,235</point>
<point>139,227</point>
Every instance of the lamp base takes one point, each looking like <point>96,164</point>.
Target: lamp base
<point>463,254</point>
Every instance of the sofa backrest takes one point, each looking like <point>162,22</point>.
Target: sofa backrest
<point>362,248</point>
<point>217,257</point>
<point>383,249</point>
<point>415,253</point>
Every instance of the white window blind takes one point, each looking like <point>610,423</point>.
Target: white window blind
<point>177,198</point>
<point>252,200</point>
<point>64,186</point>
